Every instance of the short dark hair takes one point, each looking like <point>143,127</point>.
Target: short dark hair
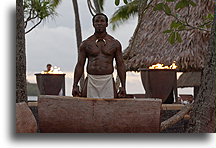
<point>100,14</point>
<point>49,65</point>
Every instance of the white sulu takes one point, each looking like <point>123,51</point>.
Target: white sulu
<point>100,86</point>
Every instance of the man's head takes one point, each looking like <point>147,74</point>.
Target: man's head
<point>100,14</point>
<point>49,67</point>
<point>100,22</point>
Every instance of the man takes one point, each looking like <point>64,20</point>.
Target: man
<point>100,49</point>
<point>49,68</point>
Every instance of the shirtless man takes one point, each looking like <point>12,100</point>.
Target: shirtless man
<point>100,49</point>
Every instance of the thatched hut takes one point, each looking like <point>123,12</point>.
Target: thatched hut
<point>149,45</point>
<point>190,79</point>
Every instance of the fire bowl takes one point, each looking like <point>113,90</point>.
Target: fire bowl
<point>159,83</point>
<point>51,84</point>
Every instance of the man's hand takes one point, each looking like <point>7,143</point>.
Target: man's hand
<point>76,92</point>
<point>122,92</point>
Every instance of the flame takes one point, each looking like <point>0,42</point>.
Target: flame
<point>161,66</point>
<point>55,70</point>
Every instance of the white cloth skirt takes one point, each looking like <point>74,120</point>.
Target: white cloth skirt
<point>100,86</point>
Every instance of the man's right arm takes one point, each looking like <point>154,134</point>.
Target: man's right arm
<point>79,69</point>
<point>120,70</point>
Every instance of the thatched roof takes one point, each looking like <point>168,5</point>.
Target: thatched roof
<point>189,79</point>
<point>149,45</point>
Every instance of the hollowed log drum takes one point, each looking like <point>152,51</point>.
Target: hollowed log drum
<point>66,114</point>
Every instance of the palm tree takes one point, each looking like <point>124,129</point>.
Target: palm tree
<point>35,11</point>
<point>77,23</point>
<point>26,11</point>
<point>78,33</point>
<point>21,90</point>
<point>203,112</point>
<point>96,6</point>
<point>124,13</point>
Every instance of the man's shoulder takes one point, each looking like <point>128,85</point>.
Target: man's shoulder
<point>113,39</point>
<point>89,38</point>
<point>87,41</point>
<point>117,43</point>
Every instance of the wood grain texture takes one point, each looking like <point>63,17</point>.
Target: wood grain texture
<point>59,114</point>
<point>25,120</point>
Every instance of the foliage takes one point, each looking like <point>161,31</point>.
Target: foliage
<point>117,2</point>
<point>96,6</point>
<point>181,22</point>
<point>32,89</point>
<point>124,12</point>
<point>101,3</point>
<point>37,10</point>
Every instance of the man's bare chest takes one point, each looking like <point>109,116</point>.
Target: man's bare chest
<point>96,48</point>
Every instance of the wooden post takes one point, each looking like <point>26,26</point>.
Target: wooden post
<point>196,90</point>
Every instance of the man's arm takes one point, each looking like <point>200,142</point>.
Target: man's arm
<point>120,69</point>
<point>79,69</point>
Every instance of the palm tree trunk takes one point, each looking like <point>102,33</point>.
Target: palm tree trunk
<point>21,90</point>
<point>78,33</point>
<point>96,4</point>
<point>203,113</point>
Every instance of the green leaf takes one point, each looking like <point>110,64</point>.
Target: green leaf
<point>182,27</point>
<point>113,27</point>
<point>117,2</point>
<point>208,26</point>
<point>125,1</point>
<point>171,38</point>
<point>192,3</point>
<point>123,13</point>
<point>175,25</point>
<point>182,4</point>
<point>178,37</point>
<point>159,6</point>
<point>167,9</point>
<point>101,4</point>
<point>210,16</point>
<point>167,31</point>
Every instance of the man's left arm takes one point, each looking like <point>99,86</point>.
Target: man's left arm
<point>121,70</point>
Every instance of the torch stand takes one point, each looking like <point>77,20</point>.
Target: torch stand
<point>160,83</point>
<point>51,84</point>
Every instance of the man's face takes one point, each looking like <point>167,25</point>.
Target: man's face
<point>49,68</point>
<point>100,23</point>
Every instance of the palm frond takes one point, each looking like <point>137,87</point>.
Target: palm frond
<point>55,3</point>
<point>101,4</point>
<point>124,13</point>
